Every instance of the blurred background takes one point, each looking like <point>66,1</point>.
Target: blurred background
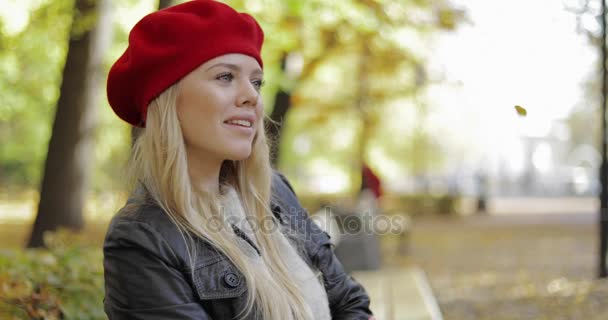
<point>471,128</point>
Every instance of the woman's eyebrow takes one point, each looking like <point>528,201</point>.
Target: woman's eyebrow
<point>234,67</point>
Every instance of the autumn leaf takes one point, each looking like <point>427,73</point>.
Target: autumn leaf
<point>521,111</point>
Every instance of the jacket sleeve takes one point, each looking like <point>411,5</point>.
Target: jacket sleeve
<point>141,280</point>
<point>347,298</point>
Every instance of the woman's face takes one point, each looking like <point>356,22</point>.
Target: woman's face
<point>220,108</point>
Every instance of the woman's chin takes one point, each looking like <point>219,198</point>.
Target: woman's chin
<point>239,155</point>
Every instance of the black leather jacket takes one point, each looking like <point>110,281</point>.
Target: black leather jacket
<point>147,273</point>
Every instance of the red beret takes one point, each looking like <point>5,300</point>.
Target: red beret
<point>168,44</point>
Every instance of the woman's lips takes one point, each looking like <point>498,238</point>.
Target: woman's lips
<point>240,128</point>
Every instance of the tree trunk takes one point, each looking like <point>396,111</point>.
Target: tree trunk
<point>603,214</point>
<point>282,102</point>
<point>360,250</point>
<point>164,4</point>
<point>70,151</point>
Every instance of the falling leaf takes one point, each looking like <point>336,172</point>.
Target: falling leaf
<point>521,111</point>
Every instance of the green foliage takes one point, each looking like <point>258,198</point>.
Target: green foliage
<point>359,58</point>
<point>84,18</point>
<point>337,81</point>
<point>63,282</point>
<point>30,78</point>
<point>30,75</point>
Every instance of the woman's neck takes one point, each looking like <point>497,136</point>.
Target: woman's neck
<point>204,172</point>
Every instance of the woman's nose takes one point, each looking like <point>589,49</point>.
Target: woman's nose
<point>248,95</point>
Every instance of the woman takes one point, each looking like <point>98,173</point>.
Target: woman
<point>211,231</point>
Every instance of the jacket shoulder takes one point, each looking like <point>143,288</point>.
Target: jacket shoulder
<point>292,213</point>
<point>147,226</point>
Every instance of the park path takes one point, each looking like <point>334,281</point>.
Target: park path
<point>538,265</point>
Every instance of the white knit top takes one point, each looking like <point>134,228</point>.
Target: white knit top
<point>311,284</point>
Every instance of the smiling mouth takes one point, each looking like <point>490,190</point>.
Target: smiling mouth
<point>240,123</point>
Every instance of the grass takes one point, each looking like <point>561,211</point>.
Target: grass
<point>17,213</point>
<point>14,235</point>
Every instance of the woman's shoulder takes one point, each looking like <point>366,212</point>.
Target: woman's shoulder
<point>286,203</point>
<point>138,212</point>
<point>282,192</point>
<point>146,226</point>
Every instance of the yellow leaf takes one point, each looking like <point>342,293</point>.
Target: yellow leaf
<point>16,289</point>
<point>521,111</point>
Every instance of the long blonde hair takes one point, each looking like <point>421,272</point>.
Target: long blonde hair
<point>159,163</point>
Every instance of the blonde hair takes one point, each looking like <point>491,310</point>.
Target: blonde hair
<point>159,163</point>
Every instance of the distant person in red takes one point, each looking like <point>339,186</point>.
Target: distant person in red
<point>371,181</point>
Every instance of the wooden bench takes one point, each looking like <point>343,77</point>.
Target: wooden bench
<point>400,294</point>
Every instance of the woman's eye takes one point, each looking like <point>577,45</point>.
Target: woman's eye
<point>259,84</point>
<point>225,77</point>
